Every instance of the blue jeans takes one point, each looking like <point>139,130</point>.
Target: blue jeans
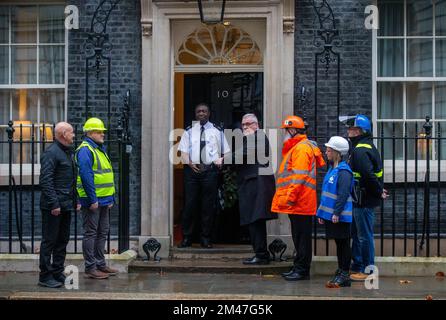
<point>363,246</point>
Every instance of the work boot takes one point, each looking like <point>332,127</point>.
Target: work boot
<point>50,283</point>
<point>359,276</point>
<point>109,271</point>
<point>341,279</point>
<point>60,277</point>
<point>337,273</point>
<point>96,274</point>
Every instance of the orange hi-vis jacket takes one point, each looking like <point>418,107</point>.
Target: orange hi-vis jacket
<point>296,181</point>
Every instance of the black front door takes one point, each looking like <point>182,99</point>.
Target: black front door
<point>230,96</point>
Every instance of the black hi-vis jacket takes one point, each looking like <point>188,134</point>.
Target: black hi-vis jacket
<point>367,168</point>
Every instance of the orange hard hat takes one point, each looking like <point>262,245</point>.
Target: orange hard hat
<point>293,122</point>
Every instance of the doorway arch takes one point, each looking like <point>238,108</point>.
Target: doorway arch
<point>159,46</point>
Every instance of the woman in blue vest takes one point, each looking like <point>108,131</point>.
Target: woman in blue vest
<point>335,209</point>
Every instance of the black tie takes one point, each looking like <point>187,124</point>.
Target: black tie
<point>202,145</point>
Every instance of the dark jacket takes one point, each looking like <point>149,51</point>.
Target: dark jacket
<point>367,163</point>
<point>57,178</point>
<point>255,190</point>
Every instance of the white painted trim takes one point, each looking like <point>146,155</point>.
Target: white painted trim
<point>158,100</point>
<point>374,77</point>
<point>27,2</point>
<point>218,68</point>
<point>399,171</point>
<point>66,75</point>
<point>410,79</point>
<point>33,86</point>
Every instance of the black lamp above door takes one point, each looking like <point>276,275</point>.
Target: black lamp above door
<point>211,11</point>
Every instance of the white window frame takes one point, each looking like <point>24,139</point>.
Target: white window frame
<point>399,164</point>
<point>27,167</point>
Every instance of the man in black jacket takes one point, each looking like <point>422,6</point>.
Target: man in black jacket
<point>58,198</point>
<point>366,165</point>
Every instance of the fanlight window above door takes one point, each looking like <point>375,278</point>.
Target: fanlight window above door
<point>219,45</point>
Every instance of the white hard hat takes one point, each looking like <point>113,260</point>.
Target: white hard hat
<point>339,144</point>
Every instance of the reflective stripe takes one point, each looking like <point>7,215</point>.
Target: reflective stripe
<point>99,186</point>
<point>377,174</point>
<point>329,195</point>
<point>102,171</point>
<point>286,173</point>
<point>293,172</point>
<point>295,181</point>
<point>364,145</point>
<point>97,159</point>
<point>330,210</point>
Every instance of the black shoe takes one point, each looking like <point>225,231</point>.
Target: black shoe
<point>255,260</point>
<point>337,273</point>
<point>185,243</point>
<point>341,279</point>
<point>50,283</point>
<point>60,277</point>
<point>206,243</point>
<point>284,274</point>
<point>296,276</point>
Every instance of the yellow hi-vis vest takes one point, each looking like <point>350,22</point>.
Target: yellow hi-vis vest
<point>103,173</point>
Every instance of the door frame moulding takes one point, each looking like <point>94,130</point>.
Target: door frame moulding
<point>158,74</point>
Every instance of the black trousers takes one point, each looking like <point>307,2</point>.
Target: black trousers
<point>55,237</point>
<point>200,188</point>
<point>257,233</point>
<point>344,253</point>
<point>301,229</point>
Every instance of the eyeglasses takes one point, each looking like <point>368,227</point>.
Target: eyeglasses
<point>247,124</point>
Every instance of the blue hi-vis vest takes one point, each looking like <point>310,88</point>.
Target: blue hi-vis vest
<point>329,195</point>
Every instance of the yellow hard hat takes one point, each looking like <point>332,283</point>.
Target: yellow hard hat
<point>94,124</point>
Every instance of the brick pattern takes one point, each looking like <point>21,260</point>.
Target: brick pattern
<point>355,63</point>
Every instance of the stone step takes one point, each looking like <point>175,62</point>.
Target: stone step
<point>218,252</point>
<point>206,266</point>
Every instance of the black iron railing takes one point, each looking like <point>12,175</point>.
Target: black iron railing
<point>412,221</point>
<point>20,218</point>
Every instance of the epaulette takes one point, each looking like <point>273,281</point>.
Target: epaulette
<point>188,128</point>
<point>218,127</point>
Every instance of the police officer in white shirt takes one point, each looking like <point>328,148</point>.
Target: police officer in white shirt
<point>201,146</point>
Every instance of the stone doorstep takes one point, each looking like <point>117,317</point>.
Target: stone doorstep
<point>30,262</point>
<point>322,265</point>
<point>387,266</point>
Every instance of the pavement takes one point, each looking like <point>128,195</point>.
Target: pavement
<point>198,286</point>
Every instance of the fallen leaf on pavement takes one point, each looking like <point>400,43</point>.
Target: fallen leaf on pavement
<point>429,297</point>
<point>405,281</point>
<point>268,276</point>
<point>440,274</point>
